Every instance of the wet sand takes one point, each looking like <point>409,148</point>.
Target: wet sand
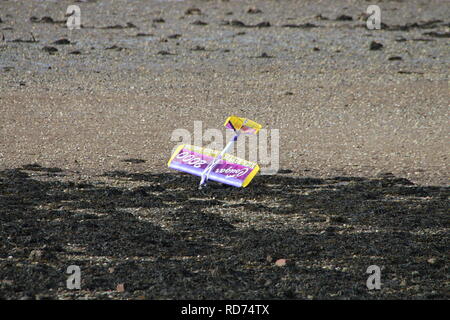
<point>369,125</point>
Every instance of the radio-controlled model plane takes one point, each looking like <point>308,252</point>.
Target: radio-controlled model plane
<point>211,164</point>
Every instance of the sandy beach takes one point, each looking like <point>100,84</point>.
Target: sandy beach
<point>85,135</point>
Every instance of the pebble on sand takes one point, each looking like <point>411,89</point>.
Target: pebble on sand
<point>253,10</point>
<point>193,11</point>
<point>120,287</point>
<point>62,41</point>
<point>50,49</point>
<point>282,262</point>
<point>375,45</point>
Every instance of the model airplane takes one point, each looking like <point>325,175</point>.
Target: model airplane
<point>215,165</point>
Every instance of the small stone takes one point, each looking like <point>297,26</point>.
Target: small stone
<point>120,287</point>
<point>375,45</point>
<point>174,36</point>
<point>133,160</point>
<point>164,53</point>
<point>265,55</point>
<point>62,41</point>
<point>199,23</point>
<point>321,17</point>
<point>198,48</point>
<point>344,17</point>
<point>253,10</point>
<point>50,49</point>
<point>237,23</point>
<point>143,34</point>
<point>115,47</point>
<point>264,24</point>
<point>35,255</point>
<point>193,11</point>
<point>281,262</point>
<point>47,19</point>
